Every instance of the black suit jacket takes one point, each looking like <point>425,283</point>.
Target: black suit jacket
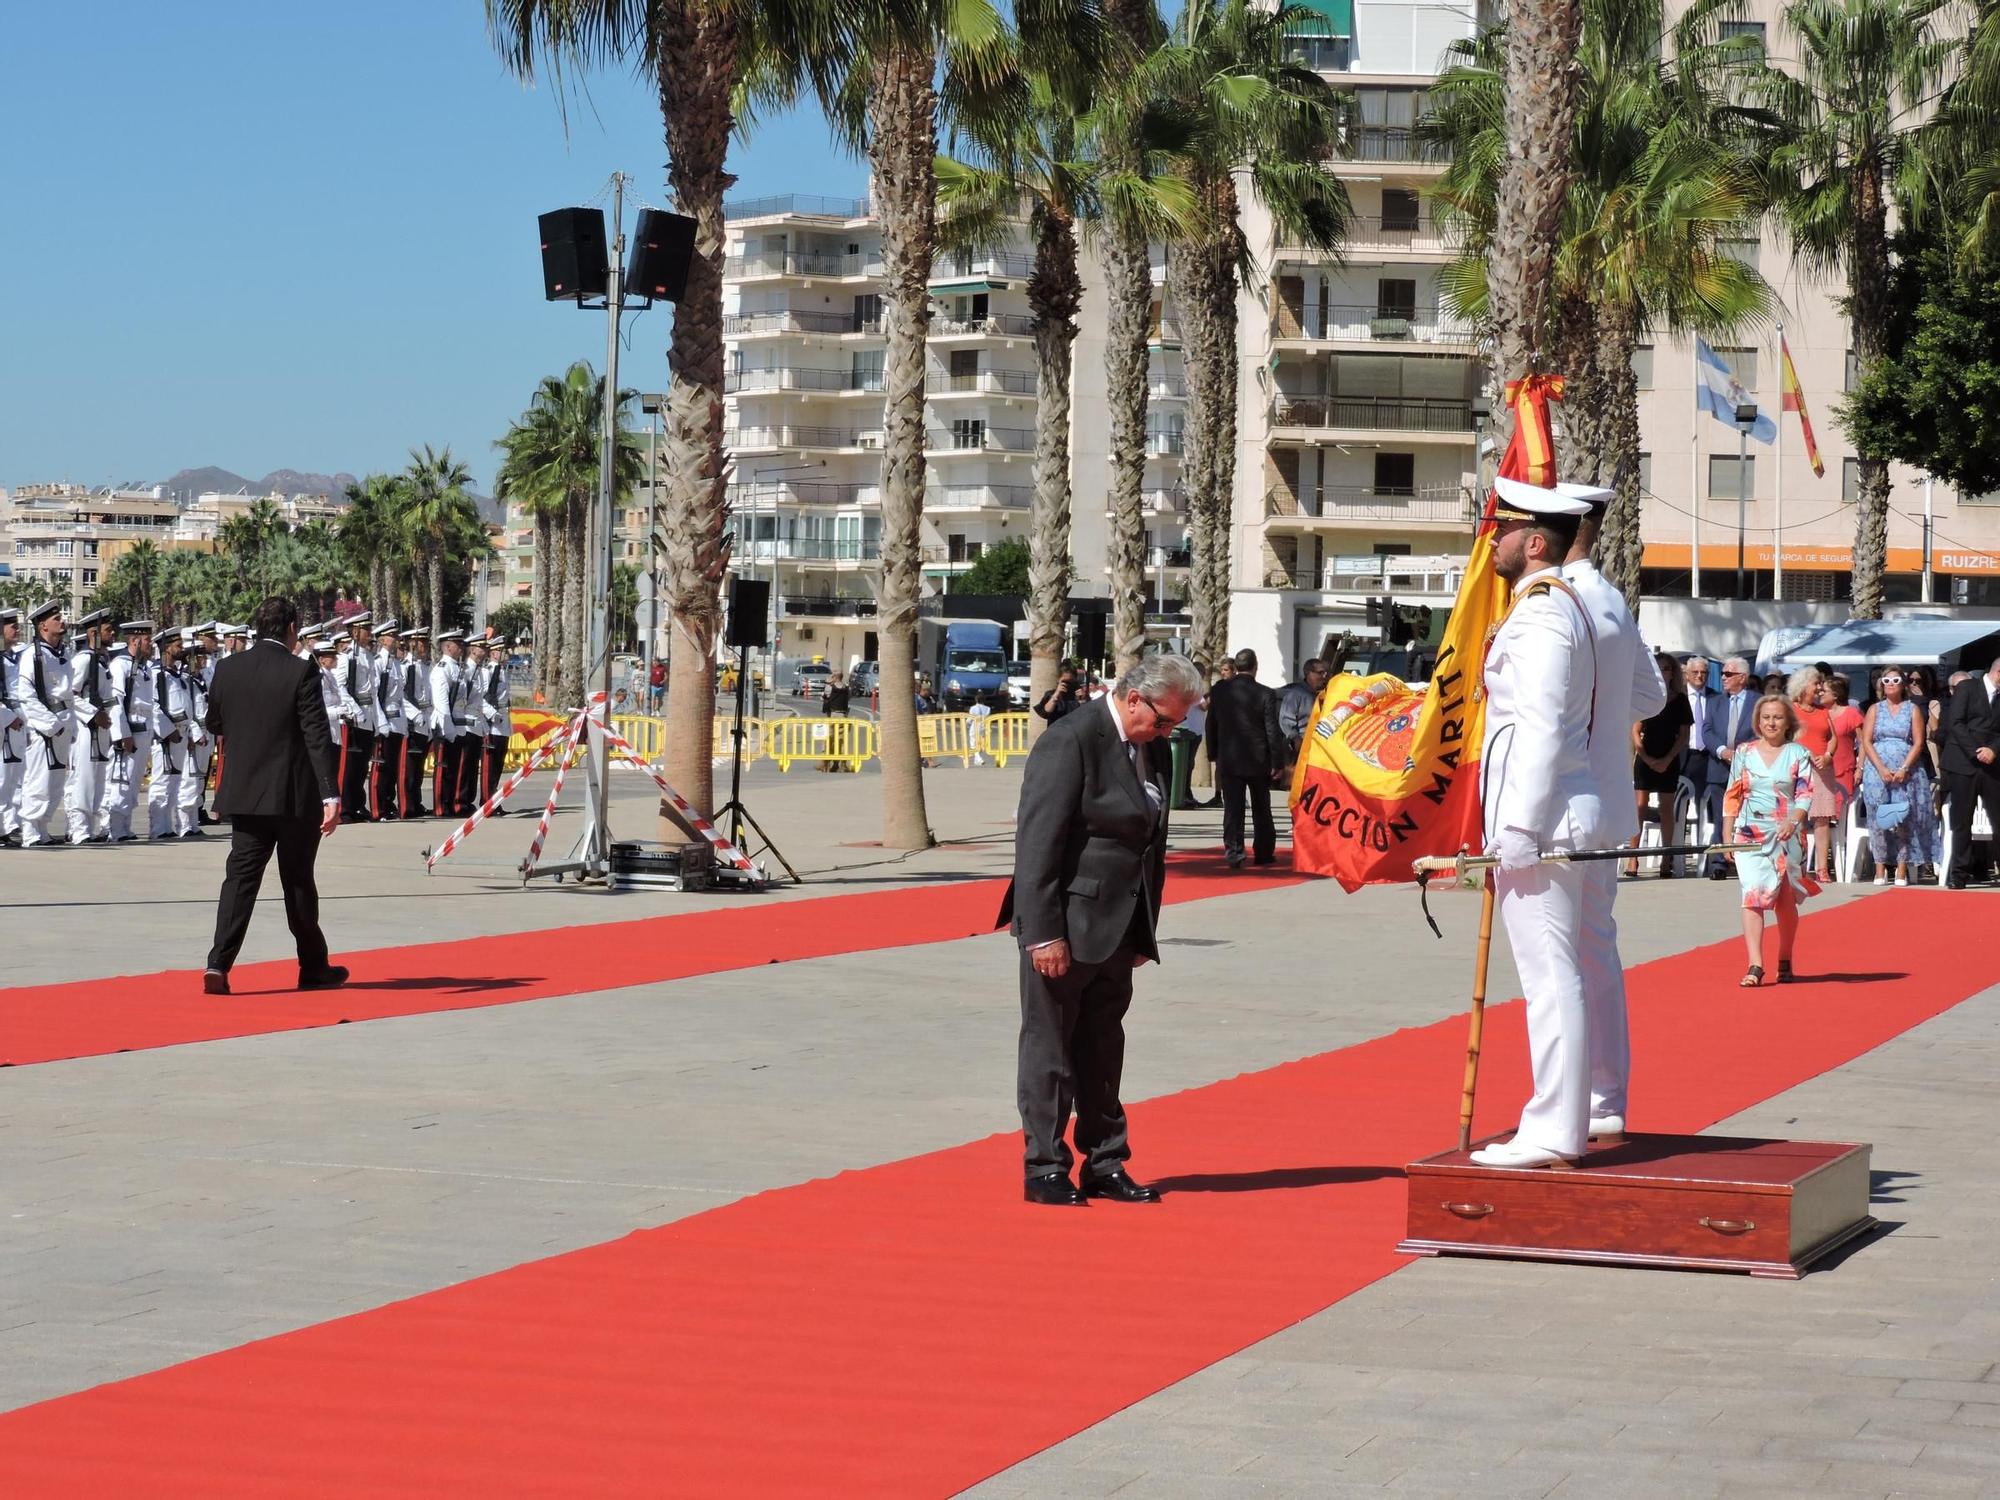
<point>1243,734</point>
<point>1971,720</point>
<point>279,759</point>
<point>1090,855</point>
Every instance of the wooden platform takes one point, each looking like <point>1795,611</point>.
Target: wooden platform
<point>1690,1202</point>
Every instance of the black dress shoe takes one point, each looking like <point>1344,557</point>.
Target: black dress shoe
<point>332,977</point>
<point>1119,1187</point>
<point>214,982</point>
<point>1056,1190</point>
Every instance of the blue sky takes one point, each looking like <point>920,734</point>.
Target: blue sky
<point>257,235</point>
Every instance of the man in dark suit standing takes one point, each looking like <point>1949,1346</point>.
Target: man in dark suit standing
<point>280,791</point>
<point>1090,849</point>
<point>1728,720</point>
<point>1970,761</point>
<point>1247,748</point>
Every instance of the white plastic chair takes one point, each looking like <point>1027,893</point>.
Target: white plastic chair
<point>1982,828</point>
<point>1852,840</point>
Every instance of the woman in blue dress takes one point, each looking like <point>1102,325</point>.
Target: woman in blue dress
<point>1895,780</point>
<point>1770,794</point>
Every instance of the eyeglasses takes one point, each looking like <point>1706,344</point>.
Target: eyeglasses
<point>1163,720</point>
<point>1727,673</point>
<point>1891,680</point>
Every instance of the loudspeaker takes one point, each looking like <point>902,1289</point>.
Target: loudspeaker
<point>661,249</point>
<point>749,603</point>
<point>573,260</point>
<point>1090,636</point>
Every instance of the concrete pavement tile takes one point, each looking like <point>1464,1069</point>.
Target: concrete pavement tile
<point>1923,1369</point>
<point>1977,1415</point>
<point>1844,1479</point>
<point>1961,1456</point>
<point>1598,1480</point>
<point>1737,1469</point>
<point>1864,1450</point>
<point>1983,1391</point>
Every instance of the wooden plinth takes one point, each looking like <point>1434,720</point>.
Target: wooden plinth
<point>1692,1202</point>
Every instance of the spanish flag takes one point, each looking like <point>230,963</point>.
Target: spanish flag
<point>1795,400</point>
<point>1389,771</point>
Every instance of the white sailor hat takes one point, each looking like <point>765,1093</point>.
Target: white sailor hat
<point>95,617</point>
<point>387,627</point>
<point>136,627</point>
<point>307,632</point>
<point>235,632</point>
<point>42,611</point>
<point>417,633</point>
<point>1517,501</point>
<point>1596,496</point>
<point>451,635</point>
<point>357,622</point>
<point>208,627</point>
<point>9,616</point>
<point>341,638</point>
<point>191,636</point>
<point>499,643</point>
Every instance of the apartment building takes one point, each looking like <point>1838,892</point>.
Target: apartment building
<point>68,536</point>
<point>803,324</point>
<point>205,516</point>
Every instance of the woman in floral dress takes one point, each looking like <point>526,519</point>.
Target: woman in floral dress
<point>1896,781</point>
<point>1770,793</point>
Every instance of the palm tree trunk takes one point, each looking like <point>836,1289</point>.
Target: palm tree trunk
<point>576,630</point>
<point>697,72</point>
<point>1868,283</point>
<point>1581,454</point>
<point>1542,38</point>
<point>1128,282</point>
<point>434,567</point>
<point>546,643</point>
<point>1618,544</point>
<point>1055,292</point>
<point>902,150</point>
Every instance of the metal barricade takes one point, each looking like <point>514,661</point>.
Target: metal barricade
<point>939,735</point>
<point>849,741</point>
<point>1006,735</point>
<point>723,745</point>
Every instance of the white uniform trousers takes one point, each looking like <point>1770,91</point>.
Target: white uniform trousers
<point>1604,991</point>
<point>42,817</point>
<point>13,761</point>
<point>163,789</point>
<point>121,797</point>
<point>84,790</point>
<point>1542,909</point>
<point>204,757</point>
<point>194,782</point>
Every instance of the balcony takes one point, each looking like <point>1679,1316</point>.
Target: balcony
<point>980,497</point>
<point>982,267</point>
<point>1169,443</point>
<point>801,205</point>
<point>789,438</point>
<point>1375,414</point>
<point>744,325</point>
<point>1394,575</point>
<point>800,378</point>
<point>980,439</point>
<point>826,607</point>
<point>805,549</point>
<point>755,497</point>
<point>983,383</point>
<point>1377,324</point>
<point>994,325</point>
<point>1166,388</point>
<point>1378,234</point>
<point>1431,504</point>
<point>801,265</point>
<point>1394,143</point>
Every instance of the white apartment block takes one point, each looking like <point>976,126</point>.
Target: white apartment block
<point>802,320</point>
<point>68,535</point>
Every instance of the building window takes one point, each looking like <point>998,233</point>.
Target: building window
<point>1395,297</point>
<point>89,576</point>
<point>968,432</point>
<point>1723,476</point>
<point>1399,210</point>
<point>1752,51</point>
<point>1742,364</point>
<point>867,312</point>
<point>867,369</point>
<point>1851,376</point>
<point>1395,473</point>
<point>1642,366</point>
<point>1745,251</point>
<point>1850,480</point>
<point>1645,473</point>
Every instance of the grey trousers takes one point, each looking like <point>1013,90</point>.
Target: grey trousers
<point>1072,1055</point>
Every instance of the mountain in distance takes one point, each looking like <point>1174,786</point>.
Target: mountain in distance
<point>189,483</point>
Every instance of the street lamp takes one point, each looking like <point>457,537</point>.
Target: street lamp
<point>1746,418</point>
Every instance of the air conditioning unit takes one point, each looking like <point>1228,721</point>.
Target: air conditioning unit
<point>805,632</point>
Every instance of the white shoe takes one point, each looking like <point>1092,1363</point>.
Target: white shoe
<point>1608,1130</point>
<point>1881,877</point>
<point>1517,1155</point>
<point>1902,880</point>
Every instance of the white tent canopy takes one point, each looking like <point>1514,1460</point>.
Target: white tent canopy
<point>1869,643</point>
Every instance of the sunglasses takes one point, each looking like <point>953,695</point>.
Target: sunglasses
<point>1892,680</point>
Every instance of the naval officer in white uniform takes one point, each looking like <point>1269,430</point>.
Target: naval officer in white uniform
<point>1538,793</point>
<point>1629,688</point>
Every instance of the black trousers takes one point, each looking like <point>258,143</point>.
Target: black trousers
<point>1072,1055</point>
<point>355,761</point>
<point>415,748</point>
<point>495,754</point>
<point>1257,790</point>
<point>444,795</point>
<point>388,774</point>
<point>465,774</point>
<point>1964,791</point>
<point>252,838</point>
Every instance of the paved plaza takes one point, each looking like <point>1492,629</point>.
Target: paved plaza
<point>165,1204</point>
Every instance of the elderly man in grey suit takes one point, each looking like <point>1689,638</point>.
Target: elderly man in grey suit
<point>1090,847</point>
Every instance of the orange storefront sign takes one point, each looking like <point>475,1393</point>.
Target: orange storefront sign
<point>1803,558</point>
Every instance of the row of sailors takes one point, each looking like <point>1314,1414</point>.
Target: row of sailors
<point>85,720</point>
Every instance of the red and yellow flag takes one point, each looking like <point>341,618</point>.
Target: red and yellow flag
<point>1795,400</point>
<point>1389,771</point>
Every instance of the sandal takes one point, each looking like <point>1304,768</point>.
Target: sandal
<point>1752,978</point>
<point>1784,971</point>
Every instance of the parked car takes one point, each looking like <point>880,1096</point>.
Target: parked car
<point>813,677</point>
<point>1017,684</point>
<point>865,678</point>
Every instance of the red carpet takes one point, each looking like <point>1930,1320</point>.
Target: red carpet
<point>86,1018</point>
<point>910,1329</point>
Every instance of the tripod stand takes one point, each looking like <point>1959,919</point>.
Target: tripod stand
<point>737,813</point>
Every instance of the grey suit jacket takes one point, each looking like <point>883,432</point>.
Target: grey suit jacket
<point>1089,852</point>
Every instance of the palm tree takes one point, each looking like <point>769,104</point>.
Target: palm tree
<point>371,543</point>
<point>1237,104</point>
<point>1866,72</point>
<point>1661,179</point>
<point>142,563</point>
<point>436,506</point>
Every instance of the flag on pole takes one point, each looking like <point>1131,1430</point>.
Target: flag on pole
<point>1795,400</point>
<point>1719,394</point>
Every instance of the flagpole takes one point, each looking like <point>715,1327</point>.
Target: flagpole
<point>1694,466</point>
<point>1778,499</point>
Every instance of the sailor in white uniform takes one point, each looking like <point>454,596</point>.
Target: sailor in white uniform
<point>1538,793</point>
<point>449,725</point>
<point>417,714</point>
<point>131,728</point>
<point>173,712</point>
<point>325,652</point>
<point>1628,689</point>
<point>390,723</point>
<point>85,789</point>
<point>42,685</point>
<point>13,728</point>
<point>200,668</point>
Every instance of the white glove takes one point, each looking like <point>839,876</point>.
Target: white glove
<point>1516,848</point>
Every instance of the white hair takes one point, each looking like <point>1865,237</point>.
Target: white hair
<point>1161,675</point>
<point>1737,664</point>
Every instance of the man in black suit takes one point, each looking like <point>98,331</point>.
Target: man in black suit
<point>1970,760</point>
<point>1727,726</point>
<point>1247,748</point>
<point>280,791</point>
<point>1090,850</point>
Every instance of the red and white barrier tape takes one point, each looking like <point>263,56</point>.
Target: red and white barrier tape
<point>723,848</point>
<point>555,791</point>
<point>549,746</point>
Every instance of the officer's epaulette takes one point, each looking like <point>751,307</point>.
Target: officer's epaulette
<point>1544,587</point>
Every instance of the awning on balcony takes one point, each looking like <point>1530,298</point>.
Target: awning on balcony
<point>1329,18</point>
<point>970,287</point>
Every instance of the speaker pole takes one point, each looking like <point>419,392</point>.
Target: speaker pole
<point>598,850</point>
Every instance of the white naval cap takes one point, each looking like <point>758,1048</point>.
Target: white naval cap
<point>1529,502</point>
<point>1596,496</point>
